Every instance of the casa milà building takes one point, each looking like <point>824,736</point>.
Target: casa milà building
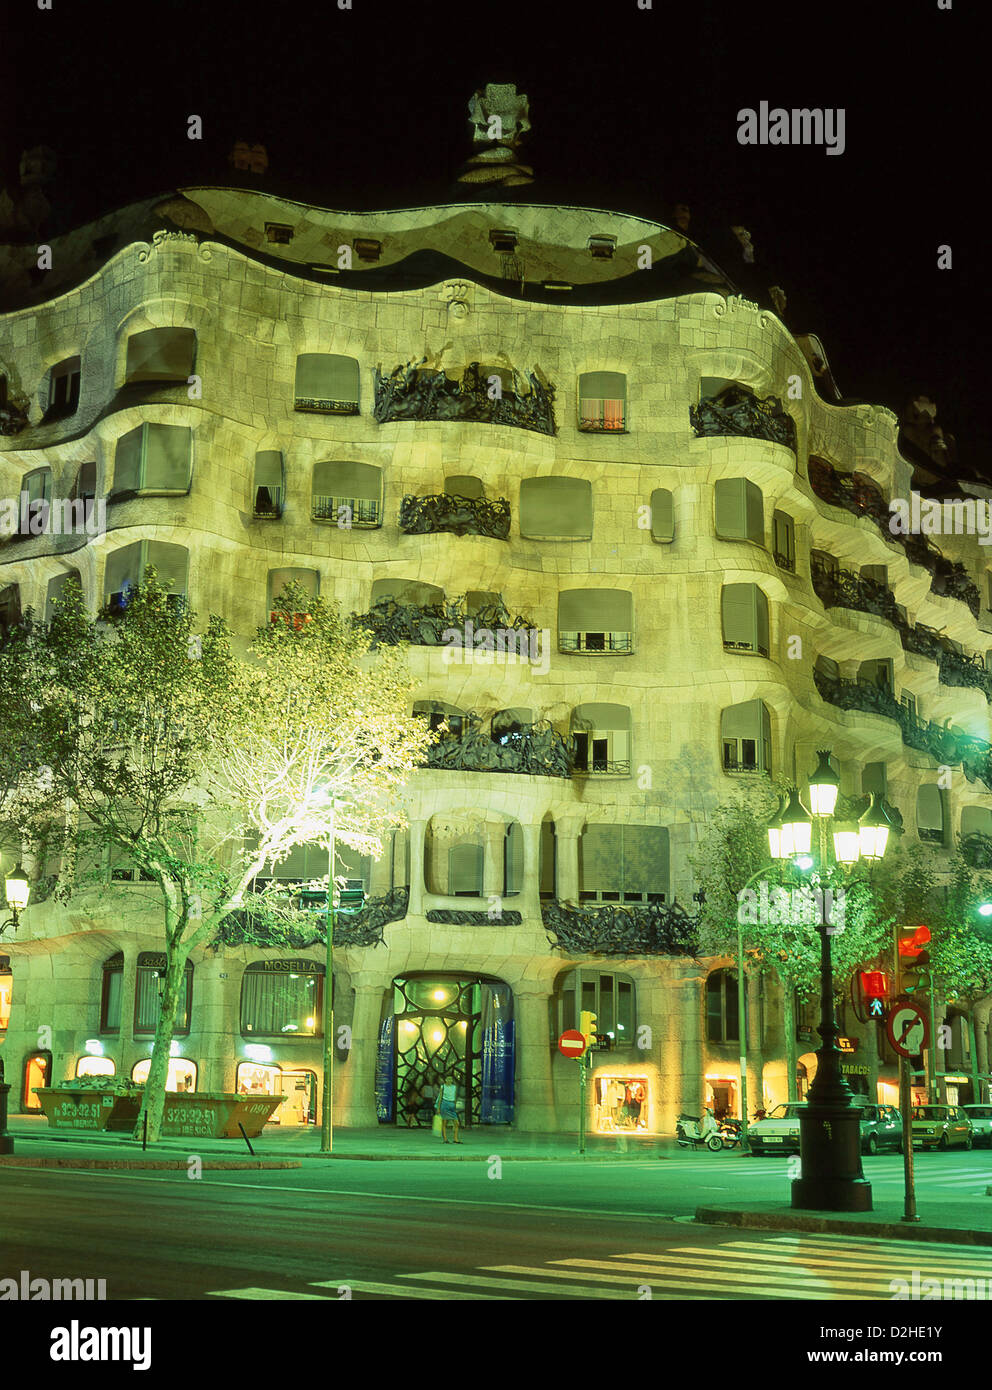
<point>561,426</point>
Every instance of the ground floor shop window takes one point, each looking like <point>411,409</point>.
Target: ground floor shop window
<point>298,1087</point>
<point>95,1066</point>
<point>181,1075</point>
<point>37,1072</point>
<point>621,1104</point>
<point>722,1096</point>
<point>6,990</point>
<point>282,996</point>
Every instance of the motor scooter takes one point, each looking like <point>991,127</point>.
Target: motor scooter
<point>695,1133</point>
<point>731,1132</point>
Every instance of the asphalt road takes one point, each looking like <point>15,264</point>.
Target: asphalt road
<point>338,1229</point>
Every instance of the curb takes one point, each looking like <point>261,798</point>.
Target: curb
<point>888,1230</point>
<point>174,1164</point>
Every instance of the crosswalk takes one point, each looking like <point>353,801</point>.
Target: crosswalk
<point>932,1172</point>
<point>787,1267</point>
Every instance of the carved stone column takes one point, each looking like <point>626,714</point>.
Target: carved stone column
<point>529,898</point>
<point>354,1076</point>
<point>567,863</point>
<point>493,839</point>
<point>418,833</point>
<point>380,874</point>
<point>534,1107</point>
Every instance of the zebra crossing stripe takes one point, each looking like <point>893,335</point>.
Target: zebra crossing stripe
<point>265,1293</point>
<point>887,1249</point>
<point>402,1290</point>
<point>521,1285</point>
<point>677,1270</point>
<point>677,1283</point>
<point>836,1273</point>
<point>853,1260</point>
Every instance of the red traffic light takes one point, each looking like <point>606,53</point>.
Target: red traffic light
<point>874,984</point>
<point>910,947</point>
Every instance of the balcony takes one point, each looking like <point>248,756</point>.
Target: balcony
<point>602,417</point>
<point>347,512</point>
<point>785,562</point>
<point>450,625</point>
<point>755,648</point>
<point>462,516</point>
<point>300,928</point>
<point>736,412</point>
<point>312,406</point>
<point>415,392</point>
<point>654,930</point>
<point>268,503</point>
<point>536,751</point>
<point>603,767</point>
<point>596,643</point>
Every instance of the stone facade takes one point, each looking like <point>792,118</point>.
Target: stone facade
<point>254,315</point>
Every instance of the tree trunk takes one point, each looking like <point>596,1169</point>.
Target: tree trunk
<point>791,1051</point>
<point>153,1101</point>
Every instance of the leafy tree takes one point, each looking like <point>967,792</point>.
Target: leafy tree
<point>135,735</point>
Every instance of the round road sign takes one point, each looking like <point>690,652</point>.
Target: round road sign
<point>907,1029</point>
<point>572,1043</point>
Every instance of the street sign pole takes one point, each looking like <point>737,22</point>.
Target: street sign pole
<point>909,1208</point>
<point>582,1105</point>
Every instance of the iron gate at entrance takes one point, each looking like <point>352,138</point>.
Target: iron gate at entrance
<point>446,1029</point>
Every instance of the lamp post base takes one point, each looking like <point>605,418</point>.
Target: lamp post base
<point>831,1194</point>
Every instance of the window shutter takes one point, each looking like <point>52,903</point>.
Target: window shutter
<point>739,615</point>
<point>930,808</point>
<point>873,779</point>
<point>462,485</point>
<point>268,469</point>
<point>755,513</point>
<point>645,859</point>
<point>662,515</point>
<point>324,376</point>
<point>784,535</point>
<point>168,458</point>
<point>127,461</point>
<point>595,610</point>
<point>361,481</point>
<point>161,354</point>
<point>465,870</point>
<point>976,820</point>
<point>600,859</point>
<point>730,522</point>
<point>556,508</point>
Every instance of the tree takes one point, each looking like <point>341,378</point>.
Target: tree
<point>780,937</point>
<point>134,734</point>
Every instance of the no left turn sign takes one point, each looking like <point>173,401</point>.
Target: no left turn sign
<point>907,1029</point>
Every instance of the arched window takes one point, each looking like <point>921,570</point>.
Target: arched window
<point>110,994</point>
<point>464,485</point>
<point>596,620</point>
<point>267,484</point>
<point>607,994</point>
<point>662,516</point>
<point>744,609</point>
<point>740,510</point>
<point>148,998</point>
<point>37,485</point>
<point>327,384</point>
<point>623,863</point>
<point>95,1066</point>
<point>722,1015</point>
<point>437,712</point>
<point>601,740</point>
<point>414,592</point>
<point>282,998</point>
<point>784,541</point>
<point>181,1075</point>
<point>556,508</point>
<point>126,569</point>
<point>63,390</point>
<point>161,354</point>
<point>602,402</point>
<point>745,733</point>
<point>154,459</point>
<point>930,813</point>
<point>347,494</point>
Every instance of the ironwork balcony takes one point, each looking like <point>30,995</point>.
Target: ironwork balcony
<point>596,642</point>
<point>268,502</point>
<point>602,416</point>
<point>449,624</point>
<point>316,406</point>
<point>653,930</point>
<point>859,496</point>
<point>255,926</point>
<point>735,411</point>
<point>346,512</point>
<point>416,392</point>
<point>536,751</point>
<point>785,562</point>
<point>463,516</point>
<point>603,767</point>
<point>755,648</point>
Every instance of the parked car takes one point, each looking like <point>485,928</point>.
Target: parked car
<point>940,1126</point>
<point>881,1128</point>
<point>981,1123</point>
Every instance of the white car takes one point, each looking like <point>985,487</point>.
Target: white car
<point>981,1122</point>
<point>779,1133</point>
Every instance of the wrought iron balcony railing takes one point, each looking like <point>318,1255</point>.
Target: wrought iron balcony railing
<point>463,516</point>
<point>416,392</point>
<point>735,411</point>
<point>754,647</point>
<point>346,512</point>
<point>654,930</point>
<point>606,767</point>
<point>785,562</point>
<point>602,416</point>
<point>596,642</point>
<point>363,927</point>
<point>537,750</point>
<point>320,406</point>
<point>449,624</point>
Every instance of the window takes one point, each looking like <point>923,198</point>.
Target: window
<point>347,494</point>
<point>463,485</point>
<point>38,485</point>
<point>147,994</point>
<point>6,992</point>
<point>123,871</point>
<point>976,820</point>
<point>413,592</point>
<point>110,994</point>
<point>722,1014</point>
<point>327,384</point>
<point>126,569</point>
<point>95,1066</point>
<point>278,233</point>
<point>602,402</point>
<point>84,488</point>
<point>267,485</point>
<point>662,516</point>
<point>279,580</point>
<point>181,1074</point>
<point>745,733</point>
<point>784,541</point>
<point>930,814</point>
<point>606,994</point>
<point>876,673</point>
<point>909,703</point>
<point>306,864</point>
<point>367,248</point>
<point>740,514</point>
<point>744,610</point>
<point>623,863</point>
<point>596,620</point>
<point>465,870</point>
<point>436,712</point>
<point>281,998</point>
<point>161,354</point>
<point>10,609</point>
<point>601,740</point>
<point>63,389</point>
<point>874,779</point>
<point>154,458</point>
<point>57,587</point>
<point>601,248</point>
<point>556,509</point>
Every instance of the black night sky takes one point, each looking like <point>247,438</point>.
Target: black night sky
<point>632,109</point>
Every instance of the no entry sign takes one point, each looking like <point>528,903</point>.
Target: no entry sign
<point>572,1043</point>
<point>907,1029</point>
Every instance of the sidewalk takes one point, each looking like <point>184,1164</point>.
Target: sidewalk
<point>31,1135</point>
<point>953,1223</point>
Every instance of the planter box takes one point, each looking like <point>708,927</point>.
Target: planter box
<point>90,1109</point>
<point>216,1114</point>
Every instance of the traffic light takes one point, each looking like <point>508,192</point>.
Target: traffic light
<point>587,1027</point>
<point>914,960</point>
<point>874,992</point>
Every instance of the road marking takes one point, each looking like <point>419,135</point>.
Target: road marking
<point>721,1285</point>
<point>749,1250</point>
<point>521,1285</point>
<point>266,1293</point>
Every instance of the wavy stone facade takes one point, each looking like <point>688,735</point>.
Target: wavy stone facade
<point>253,316</point>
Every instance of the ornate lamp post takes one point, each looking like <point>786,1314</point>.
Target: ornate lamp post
<point>18,890</point>
<point>829,1125</point>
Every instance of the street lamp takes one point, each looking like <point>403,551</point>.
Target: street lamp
<point>18,891</point>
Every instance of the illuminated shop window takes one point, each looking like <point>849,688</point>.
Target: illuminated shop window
<point>282,998</point>
<point>621,1104</point>
<point>181,1075</point>
<point>147,994</point>
<point>96,1066</point>
<point>6,991</point>
<point>298,1089</point>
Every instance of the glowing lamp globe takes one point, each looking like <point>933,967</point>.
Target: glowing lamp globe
<point>824,786</point>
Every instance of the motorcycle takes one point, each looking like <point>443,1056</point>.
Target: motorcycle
<point>731,1132</point>
<point>691,1132</point>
